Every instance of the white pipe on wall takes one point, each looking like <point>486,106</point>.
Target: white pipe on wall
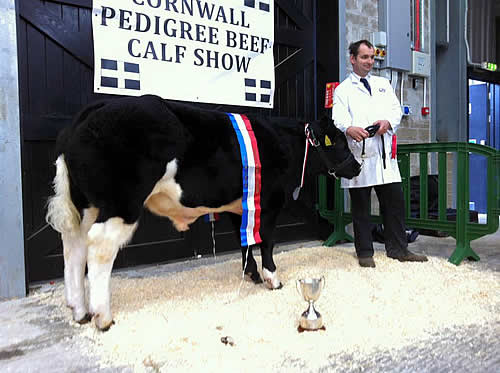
<point>425,93</point>
<point>402,87</point>
<point>394,79</point>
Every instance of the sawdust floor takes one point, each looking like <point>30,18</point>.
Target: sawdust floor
<point>169,322</point>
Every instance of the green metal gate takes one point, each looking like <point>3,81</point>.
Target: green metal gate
<point>462,229</point>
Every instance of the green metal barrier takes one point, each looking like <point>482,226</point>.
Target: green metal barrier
<point>462,230</point>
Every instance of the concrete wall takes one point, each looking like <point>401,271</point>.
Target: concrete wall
<point>12,272</point>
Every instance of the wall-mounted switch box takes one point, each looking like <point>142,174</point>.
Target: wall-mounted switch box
<point>379,39</point>
<point>379,53</point>
<point>420,64</point>
<point>394,20</point>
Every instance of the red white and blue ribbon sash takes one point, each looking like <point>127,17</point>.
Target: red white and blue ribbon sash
<point>250,220</point>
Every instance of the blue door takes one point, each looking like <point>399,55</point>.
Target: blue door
<point>478,134</point>
<point>494,139</point>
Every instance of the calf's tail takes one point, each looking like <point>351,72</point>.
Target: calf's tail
<point>62,215</point>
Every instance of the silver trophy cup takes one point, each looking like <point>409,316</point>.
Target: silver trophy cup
<point>310,289</point>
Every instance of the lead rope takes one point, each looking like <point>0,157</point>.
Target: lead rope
<point>383,149</point>
<point>243,274</point>
<point>213,240</point>
<point>296,191</point>
<point>229,301</point>
<point>244,267</point>
<point>242,279</point>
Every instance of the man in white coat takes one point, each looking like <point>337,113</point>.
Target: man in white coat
<point>360,101</point>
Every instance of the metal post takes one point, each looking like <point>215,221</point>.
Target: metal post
<point>339,233</point>
<point>12,266</point>
<point>424,188</point>
<point>463,249</point>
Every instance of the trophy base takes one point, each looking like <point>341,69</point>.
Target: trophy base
<point>302,330</point>
<point>308,323</point>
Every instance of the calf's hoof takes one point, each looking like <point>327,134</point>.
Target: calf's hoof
<point>253,277</point>
<point>271,286</point>
<point>102,324</point>
<point>83,320</point>
<point>271,279</point>
<point>80,315</point>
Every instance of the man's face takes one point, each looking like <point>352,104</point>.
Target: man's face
<point>363,62</point>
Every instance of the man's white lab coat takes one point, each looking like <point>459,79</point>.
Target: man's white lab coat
<point>353,106</point>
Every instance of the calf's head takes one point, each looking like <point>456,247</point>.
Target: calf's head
<point>333,149</point>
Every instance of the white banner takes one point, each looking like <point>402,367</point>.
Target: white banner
<point>218,51</point>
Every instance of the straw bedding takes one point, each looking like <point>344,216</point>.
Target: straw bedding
<point>175,321</point>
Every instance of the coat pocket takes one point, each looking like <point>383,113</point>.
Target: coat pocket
<point>370,147</point>
<point>355,147</point>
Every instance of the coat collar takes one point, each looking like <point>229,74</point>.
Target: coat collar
<point>355,80</point>
<point>356,77</point>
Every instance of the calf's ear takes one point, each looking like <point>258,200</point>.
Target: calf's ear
<point>322,122</point>
<point>327,122</point>
<point>332,124</point>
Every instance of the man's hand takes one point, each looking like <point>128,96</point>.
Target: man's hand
<point>384,126</point>
<point>357,133</point>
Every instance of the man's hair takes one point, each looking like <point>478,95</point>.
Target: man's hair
<point>354,47</point>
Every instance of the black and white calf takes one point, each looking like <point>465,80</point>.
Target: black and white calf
<point>178,161</point>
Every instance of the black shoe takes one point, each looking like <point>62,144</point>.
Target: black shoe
<point>408,256</point>
<point>366,262</point>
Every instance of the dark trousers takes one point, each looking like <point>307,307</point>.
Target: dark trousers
<point>392,210</point>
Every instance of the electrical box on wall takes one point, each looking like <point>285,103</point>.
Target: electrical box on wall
<point>420,64</point>
<point>394,20</point>
<point>379,39</point>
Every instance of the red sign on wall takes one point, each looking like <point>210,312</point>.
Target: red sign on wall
<point>330,87</point>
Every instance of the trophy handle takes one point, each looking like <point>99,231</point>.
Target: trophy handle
<point>323,283</point>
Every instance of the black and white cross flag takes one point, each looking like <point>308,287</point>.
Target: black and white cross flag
<point>262,4</point>
<point>120,75</point>
<point>258,90</point>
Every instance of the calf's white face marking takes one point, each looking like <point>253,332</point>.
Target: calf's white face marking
<point>164,200</point>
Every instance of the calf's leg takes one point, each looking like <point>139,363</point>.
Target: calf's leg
<point>248,262</point>
<point>105,239</point>
<point>269,271</point>
<point>250,265</point>
<point>75,258</point>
